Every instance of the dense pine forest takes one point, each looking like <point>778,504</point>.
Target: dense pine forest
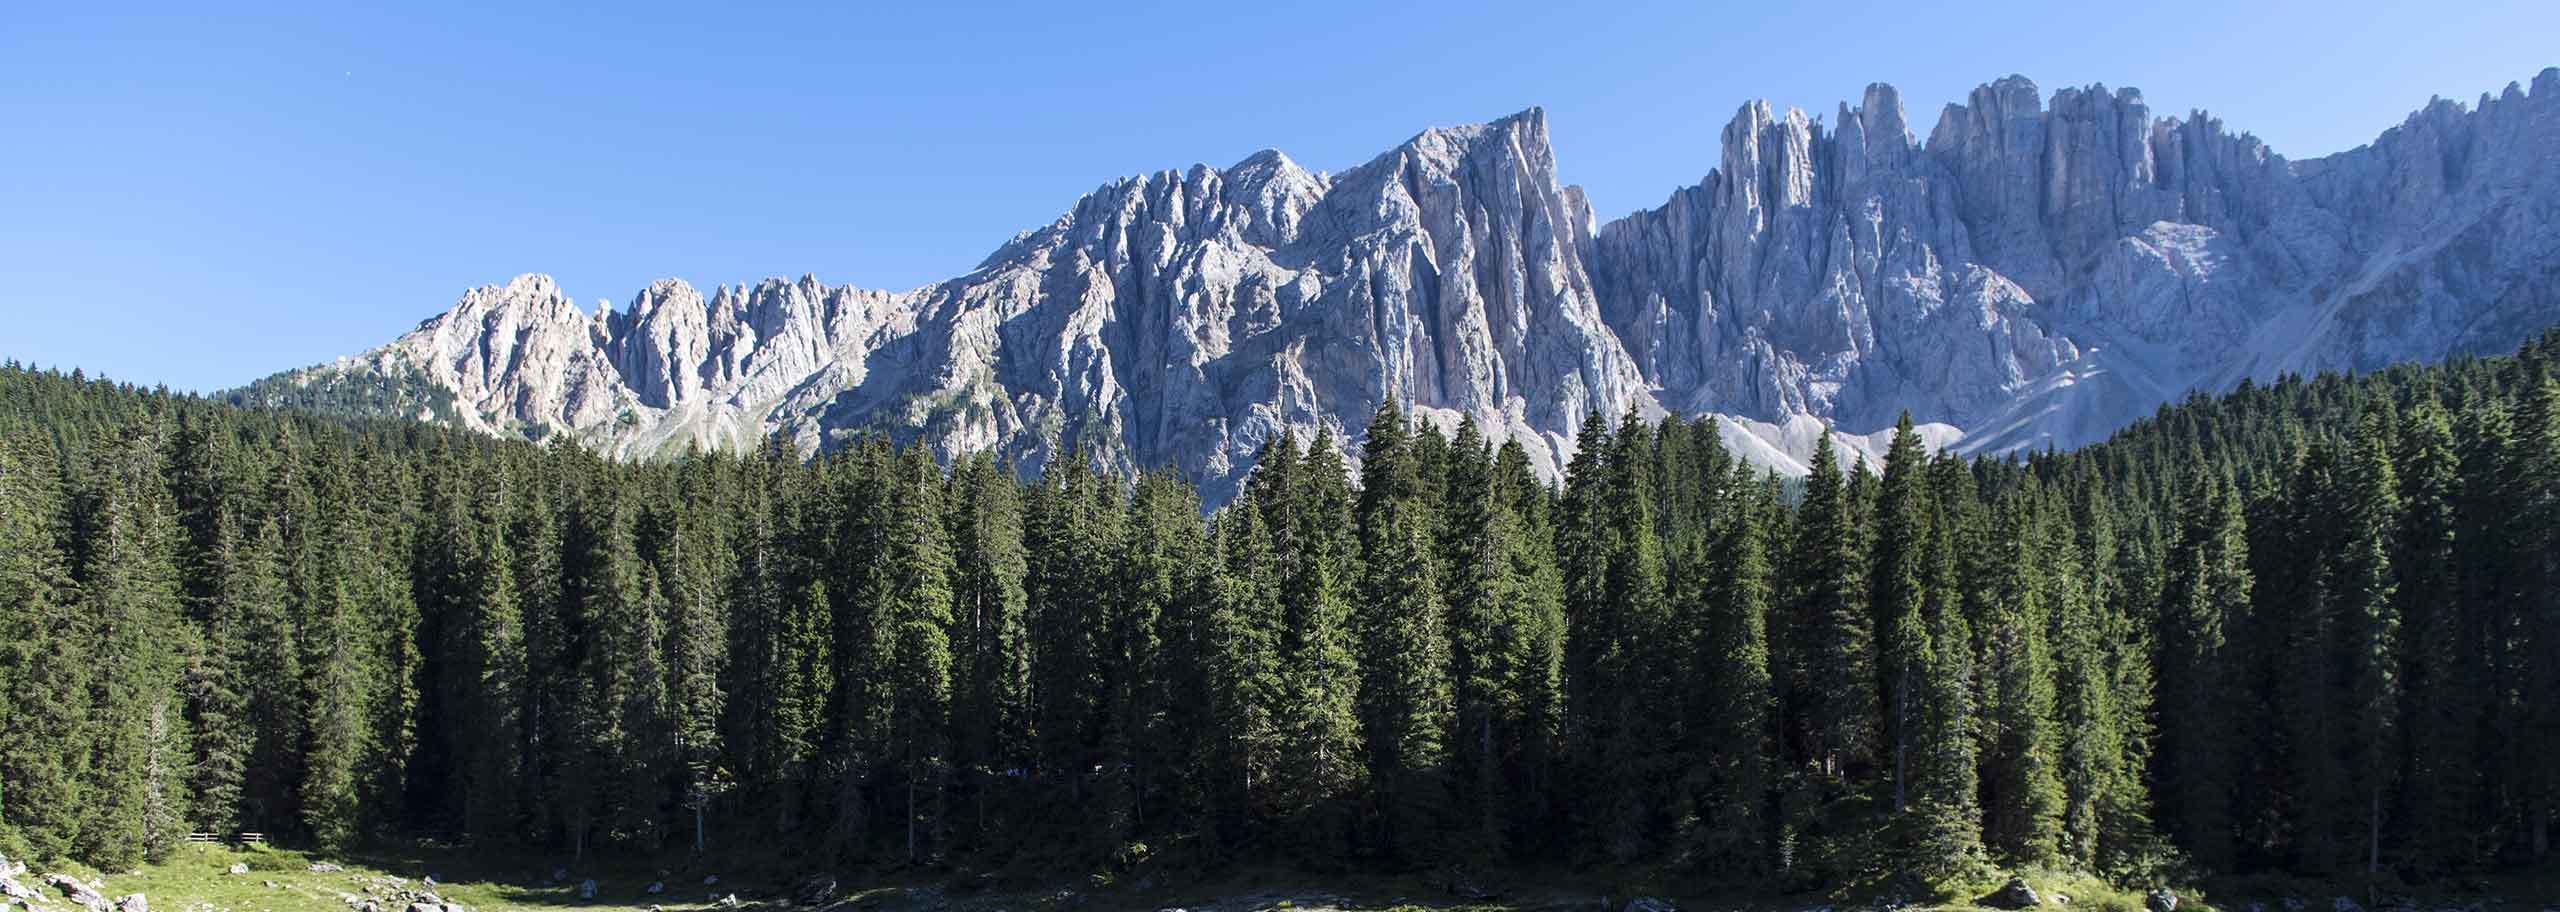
<point>2310,627</point>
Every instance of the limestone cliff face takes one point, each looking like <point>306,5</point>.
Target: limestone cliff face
<point>1184,319</point>
<point>2042,272</point>
<point>2037,271</point>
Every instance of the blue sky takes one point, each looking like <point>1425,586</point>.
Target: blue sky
<point>199,199</point>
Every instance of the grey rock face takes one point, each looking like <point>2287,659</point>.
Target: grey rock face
<point>2044,273</point>
<point>2037,271</point>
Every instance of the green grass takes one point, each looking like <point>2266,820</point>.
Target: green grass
<point>194,880</point>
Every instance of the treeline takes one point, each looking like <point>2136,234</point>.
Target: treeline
<point>2312,626</point>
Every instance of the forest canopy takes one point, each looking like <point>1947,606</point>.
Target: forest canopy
<point>2312,626</point>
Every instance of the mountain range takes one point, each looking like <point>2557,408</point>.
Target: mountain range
<point>2037,271</point>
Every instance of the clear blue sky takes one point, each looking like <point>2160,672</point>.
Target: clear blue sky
<point>200,199</point>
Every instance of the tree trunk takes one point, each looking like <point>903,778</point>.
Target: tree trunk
<point>2373,834</point>
<point>1901,734</point>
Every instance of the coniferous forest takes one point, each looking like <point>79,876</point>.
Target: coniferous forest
<point>2309,627</point>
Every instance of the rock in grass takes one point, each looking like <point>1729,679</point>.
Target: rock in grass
<point>2160,900</point>
<point>76,891</point>
<point>10,888</point>
<point>2015,894</point>
<point>133,902</point>
<point>325,868</point>
<point>587,889</point>
<point>237,868</point>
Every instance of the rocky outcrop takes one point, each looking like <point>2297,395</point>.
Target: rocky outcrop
<point>2037,271</point>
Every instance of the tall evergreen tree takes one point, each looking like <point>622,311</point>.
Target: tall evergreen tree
<point>272,716</point>
<point>2369,614</point>
<point>991,661</point>
<point>2021,775</point>
<point>2090,741</point>
<point>1241,747</point>
<point>1492,628</point>
<point>43,668</point>
<point>1946,821</point>
<point>2204,598</point>
<point>131,597</point>
<point>1737,698</point>
<point>2534,734</point>
<point>1405,698</point>
<point>2445,693</point>
<point>1319,651</point>
<point>1831,700</point>
<point>1899,590</point>
<point>488,671</point>
<point>1164,594</point>
<point>693,572</point>
<point>919,567</point>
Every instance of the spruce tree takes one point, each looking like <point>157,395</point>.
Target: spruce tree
<point>2445,693</point>
<point>44,668</point>
<point>216,696</point>
<point>2021,775</point>
<point>624,609</point>
<point>1163,593</point>
<point>1738,693</point>
<point>1319,652</point>
<point>1489,642</point>
<point>2311,699</point>
<point>2204,598</point>
<point>488,670</point>
<point>2534,483</point>
<point>2127,841</point>
<point>1539,681</point>
<point>1946,823</point>
<point>272,715</point>
<point>1242,746</point>
<point>919,566</point>
<point>2090,741</point>
<point>693,572</point>
<point>134,614</point>
<point>1831,700</point>
<point>991,712</point>
<point>1405,710</point>
<point>1899,590</point>
<point>2369,614</point>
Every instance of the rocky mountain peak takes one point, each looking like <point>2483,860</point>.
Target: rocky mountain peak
<point>2037,271</point>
